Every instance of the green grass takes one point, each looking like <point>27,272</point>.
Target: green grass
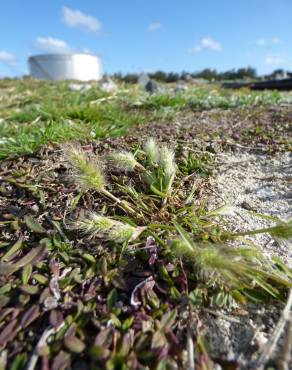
<point>36,113</point>
<point>27,131</point>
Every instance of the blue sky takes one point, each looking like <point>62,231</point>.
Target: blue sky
<point>137,35</point>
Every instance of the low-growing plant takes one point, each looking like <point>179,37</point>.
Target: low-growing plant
<point>191,162</point>
<point>157,201</point>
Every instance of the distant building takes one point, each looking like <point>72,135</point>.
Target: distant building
<point>82,67</point>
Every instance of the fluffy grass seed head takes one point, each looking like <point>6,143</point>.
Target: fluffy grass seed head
<point>167,162</point>
<point>234,268</point>
<point>124,161</point>
<point>93,224</point>
<point>106,228</point>
<point>151,150</point>
<point>283,230</point>
<point>121,232</point>
<point>86,171</point>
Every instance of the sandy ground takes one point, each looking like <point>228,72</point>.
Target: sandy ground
<point>262,183</point>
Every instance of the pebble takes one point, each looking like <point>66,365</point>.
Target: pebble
<point>153,87</point>
<point>79,87</point>
<point>108,86</point>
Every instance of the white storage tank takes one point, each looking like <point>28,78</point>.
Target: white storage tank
<point>82,67</point>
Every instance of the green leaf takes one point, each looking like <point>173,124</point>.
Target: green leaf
<point>5,288</point>
<point>7,268</point>
<point>157,192</point>
<point>185,237</point>
<point>74,344</point>
<point>29,289</point>
<point>168,320</point>
<point>40,279</point>
<point>19,362</point>
<point>196,297</point>
<point>33,225</point>
<point>33,256</point>
<point>89,258</point>
<point>128,323</point>
<point>115,321</point>
<point>75,202</point>
<point>112,298</point>
<point>12,250</point>
<point>102,266</point>
<point>26,273</point>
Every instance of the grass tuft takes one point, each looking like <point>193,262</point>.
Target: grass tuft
<point>106,228</point>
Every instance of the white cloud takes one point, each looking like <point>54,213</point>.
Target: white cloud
<point>206,43</point>
<point>261,42</point>
<point>210,43</point>
<point>154,26</point>
<point>51,45</point>
<point>267,42</point>
<point>274,60</point>
<point>7,58</point>
<point>75,18</point>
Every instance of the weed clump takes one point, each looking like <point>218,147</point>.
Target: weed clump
<point>180,231</point>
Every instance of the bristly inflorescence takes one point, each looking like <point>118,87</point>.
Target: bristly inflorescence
<point>96,225</point>
<point>236,267</point>
<point>152,152</point>
<point>86,171</point>
<point>124,161</point>
<point>283,230</point>
<point>211,260</point>
<point>167,161</point>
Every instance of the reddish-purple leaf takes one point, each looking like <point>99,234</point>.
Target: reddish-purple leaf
<point>56,318</point>
<point>29,316</point>
<point>9,332</point>
<point>62,361</point>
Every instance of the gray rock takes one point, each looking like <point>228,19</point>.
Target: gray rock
<point>153,87</point>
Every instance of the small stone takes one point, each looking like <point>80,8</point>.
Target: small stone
<point>261,339</point>
<point>50,303</point>
<point>79,87</point>
<point>108,86</point>
<point>152,87</point>
<point>35,208</point>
